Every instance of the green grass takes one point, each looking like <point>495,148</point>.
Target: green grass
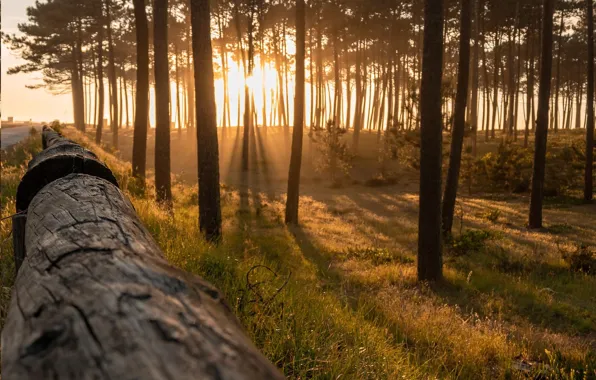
<point>337,297</point>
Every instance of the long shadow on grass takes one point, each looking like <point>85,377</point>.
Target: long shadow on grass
<point>488,283</point>
<point>356,297</point>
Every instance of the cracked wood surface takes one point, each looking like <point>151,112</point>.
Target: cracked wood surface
<point>95,299</point>
<point>59,158</point>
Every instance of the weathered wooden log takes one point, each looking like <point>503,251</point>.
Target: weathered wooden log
<point>59,158</point>
<point>95,299</point>
<point>18,239</point>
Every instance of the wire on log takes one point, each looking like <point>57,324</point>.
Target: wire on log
<point>96,299</point>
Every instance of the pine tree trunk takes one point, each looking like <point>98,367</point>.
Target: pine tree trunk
<point>358,109</point>
<point>530,84</point>
<point>101,90</point>
<point>190,81</point>
<point>541,132</point>
<point>558,74</point>
<point>112,76</point>
<point>495,86</point>
<point>292,203</point>
<point>475,79</point>
<point>459,124</point>
<point>588,177</point>
<point>207,145</point>
<point>429,224</point>
<point>139,147</point>
<point>177,73</point>
<point>126,100</point>
<point>162,103</point>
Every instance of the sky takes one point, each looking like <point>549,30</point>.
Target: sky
<point>17,100</point>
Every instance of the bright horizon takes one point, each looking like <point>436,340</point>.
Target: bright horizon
<point>17,100</point>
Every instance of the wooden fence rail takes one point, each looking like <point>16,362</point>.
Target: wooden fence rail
<point>94,297</point>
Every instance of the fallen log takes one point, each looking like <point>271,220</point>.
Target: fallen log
<point>59,158</point>
<point>95,299</point>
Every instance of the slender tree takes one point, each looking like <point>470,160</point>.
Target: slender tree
<point>459,126</point>
<point>541,132</point>
<point>112,76</point>
<point>163,184</point>
<point>588,179</point>
<point>207,146</point>
<point>296,158</point>
<point>430,261</point>
<point>101,89</point>
<point>139,147</point>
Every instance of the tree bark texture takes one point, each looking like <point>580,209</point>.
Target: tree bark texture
<point>207,145</point>
<point>59,158</point>
<point>429,223</point>
<point>459,125</point>
<point>297,134</point>
<point>163,182</point>
<point>588,177</point>
<point>139,148</point>
<point>541,133</point>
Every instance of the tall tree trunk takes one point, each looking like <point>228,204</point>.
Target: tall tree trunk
<point>511,88</point>
<point>101,89</point>
<point>430,260</point>
<point>80,124</point>
<point>337,86</point>
<point>162,103</point>
<point>207,146</point>
<point>459,125</point>
<point>578,107</point>
<point>588,177</point>
<point>358,109</point>
<point>495,86</point>
<point>475,79</point>
<point>112,75</point>
<point>312,77</point>
<point>247,95</point>
<point>74,85</point>
<point>292,203</point>
<point>190,81</point>
<point>95,87</point>
<point>177,73</point>
<point>126,100</point>
<point>139,147</point>
<point>348,89</point>
<point>530,83</point>
<point>121,102</point>
<point>541,133</point>
<point>517,74</point>
<point>558,74</point>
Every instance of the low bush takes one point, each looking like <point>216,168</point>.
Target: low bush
<point>467,242</point>
<point>510,169</point>
<point>582,259</point>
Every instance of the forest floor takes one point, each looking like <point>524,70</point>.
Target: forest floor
<point>338,296</point>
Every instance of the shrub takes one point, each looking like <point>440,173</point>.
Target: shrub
<point>583,259</point>
<point>380,181</point>
<point>57,126</point>
<point>510,168</point>
<point>492,215</point>
<point>335,156</point>
<point>399,145</point>
<point>467,242</point>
